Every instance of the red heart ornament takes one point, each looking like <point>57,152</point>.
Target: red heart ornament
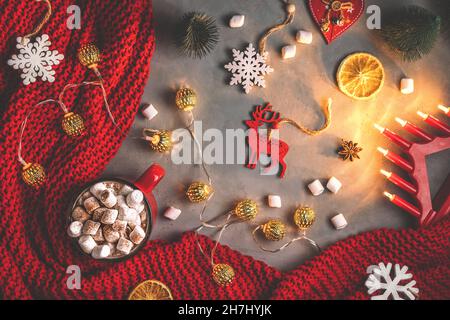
<point>334,17</point>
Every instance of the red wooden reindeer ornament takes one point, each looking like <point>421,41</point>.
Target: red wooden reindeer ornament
<point>263,142</point>
<point>274,148</point>
<point>427,210</point>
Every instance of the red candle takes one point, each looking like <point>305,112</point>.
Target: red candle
<point>403,143</point>
<point>415,130</point>
<point>396,159</point>
<point>432,121</point>
<point>446,110</point>
<point>402,183</point>
<point>405,205</point>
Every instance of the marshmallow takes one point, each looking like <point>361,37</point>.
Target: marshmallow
<point>124,246</point>
<point>127,214</point>
<point>137,235</point>
<point>407,85</point>
<point>97,189</point>
<point>98,214</point>
<point>86,195</point>
<point>126,189</point>
<point>91,204</point>
<point>113,185</point>
<point>143,216</point>
<point>149,111</point>
<point>108,198</point>
<point>99,235</point>
<point>304,37</point>
<point>110,216</point>
<point>91,227</point>
<point>119,226</point>
<point>135,222</point>
<point>316,187</point>
<point>101,252</point>
<point>110,234</point>
<point>172,213</point>
<point>135,198</point>
<point>121,201</point>
<point>288,52</point>
<point>74,229</point>
<point>339,221</point>
<point>87,243</point>
<point>79,214</point>
<point>334,185</point>
<point>274,201</point>
<point>237,21</point>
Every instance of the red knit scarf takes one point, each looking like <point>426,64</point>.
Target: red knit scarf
<point>34,248</point>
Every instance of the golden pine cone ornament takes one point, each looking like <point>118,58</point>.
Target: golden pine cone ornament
<point>161,141</point>
<point>89,55</point>
<point>274,230</point>
<point>198,192</point>
<point>304,217</point>
<point>223,274</point>
<point>186,99</point>
<point>33,174</point>
<point>73,125</point>
<point>151,290</point>
<point>246,209</point>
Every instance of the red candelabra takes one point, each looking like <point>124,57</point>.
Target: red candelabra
<point>426,209</point>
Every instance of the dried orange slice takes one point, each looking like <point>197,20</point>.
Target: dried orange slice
<point>151,290</point>
<point>360,76</point>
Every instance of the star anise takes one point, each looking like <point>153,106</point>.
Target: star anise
<point>349,150</point>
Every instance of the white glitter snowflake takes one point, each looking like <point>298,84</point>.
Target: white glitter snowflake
<point>248,68</point>
<point>391,287</point>
<point>35,59</point>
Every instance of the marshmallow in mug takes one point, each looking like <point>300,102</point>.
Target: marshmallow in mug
<point>109,217</point>
<point>74,229</point>
<point>101,251</point>
<point>137,235</point>
<point>87,243</point>
<point>110,234</point>
<point>97,189</point>
<point>108,198</point>
<point>135,199</point>
<point>124,246</point>
<point>91,204</point>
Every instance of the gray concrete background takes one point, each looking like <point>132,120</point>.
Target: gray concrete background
<point>297,88</point>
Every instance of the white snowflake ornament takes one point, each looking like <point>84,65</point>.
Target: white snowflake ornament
<point>392,287</point>
<point>248,68</point>
<point>35,59</point>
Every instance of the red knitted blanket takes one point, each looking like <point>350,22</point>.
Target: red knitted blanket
<point>34,248</point>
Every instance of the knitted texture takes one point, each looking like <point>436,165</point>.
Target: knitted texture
<point>34,248</point>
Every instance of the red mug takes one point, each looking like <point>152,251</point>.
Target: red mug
<point>145,183</point>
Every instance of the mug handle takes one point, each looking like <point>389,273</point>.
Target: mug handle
<point>150,178</point>
<point>147,182</point>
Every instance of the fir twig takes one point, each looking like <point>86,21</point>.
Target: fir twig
<point>198,34</point>
<point>411,32</point>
